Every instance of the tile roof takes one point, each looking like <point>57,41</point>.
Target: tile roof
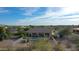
<point>39,30</point>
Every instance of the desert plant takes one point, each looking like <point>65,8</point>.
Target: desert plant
<point>42,45</point>
<point>58,47</point>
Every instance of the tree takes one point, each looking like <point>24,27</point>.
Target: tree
<point>65,32</point>
<point>21,32</point>
<point>8,33</point>
<point>25,29</point>
<point>54,36</point>
<point>3,34</point>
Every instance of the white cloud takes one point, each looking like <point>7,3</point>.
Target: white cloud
<point>28,11</point>
<point>74,20</point>
<point>68,10</point>
<point>53,18</point>
<point>2,10</point>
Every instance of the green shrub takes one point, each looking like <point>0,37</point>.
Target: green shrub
<point>65,32</point>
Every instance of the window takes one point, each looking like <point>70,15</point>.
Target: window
<point>34,35</point>
<point>46,34</point>
<point>41,35</point>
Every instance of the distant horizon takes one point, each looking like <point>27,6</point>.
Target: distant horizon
<point>36,25</point>
<point>39,16</point>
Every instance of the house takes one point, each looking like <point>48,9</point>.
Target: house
<point>76,30</point>
<point>39,32</point>
<point>12,29</point>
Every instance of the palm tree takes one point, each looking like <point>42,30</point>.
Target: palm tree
<point>21,32</point>
<point>8,33</point>
<point>53,37</point>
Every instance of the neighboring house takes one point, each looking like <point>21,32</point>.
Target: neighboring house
<point>76,30</point>
<point>39,32</point>
<point>12,29</point>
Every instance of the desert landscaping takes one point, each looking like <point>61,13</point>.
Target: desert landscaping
<point>39,38</point>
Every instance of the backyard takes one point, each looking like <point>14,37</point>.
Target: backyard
<point>61,39</point>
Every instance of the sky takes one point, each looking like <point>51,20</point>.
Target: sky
<point>39,15</point>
